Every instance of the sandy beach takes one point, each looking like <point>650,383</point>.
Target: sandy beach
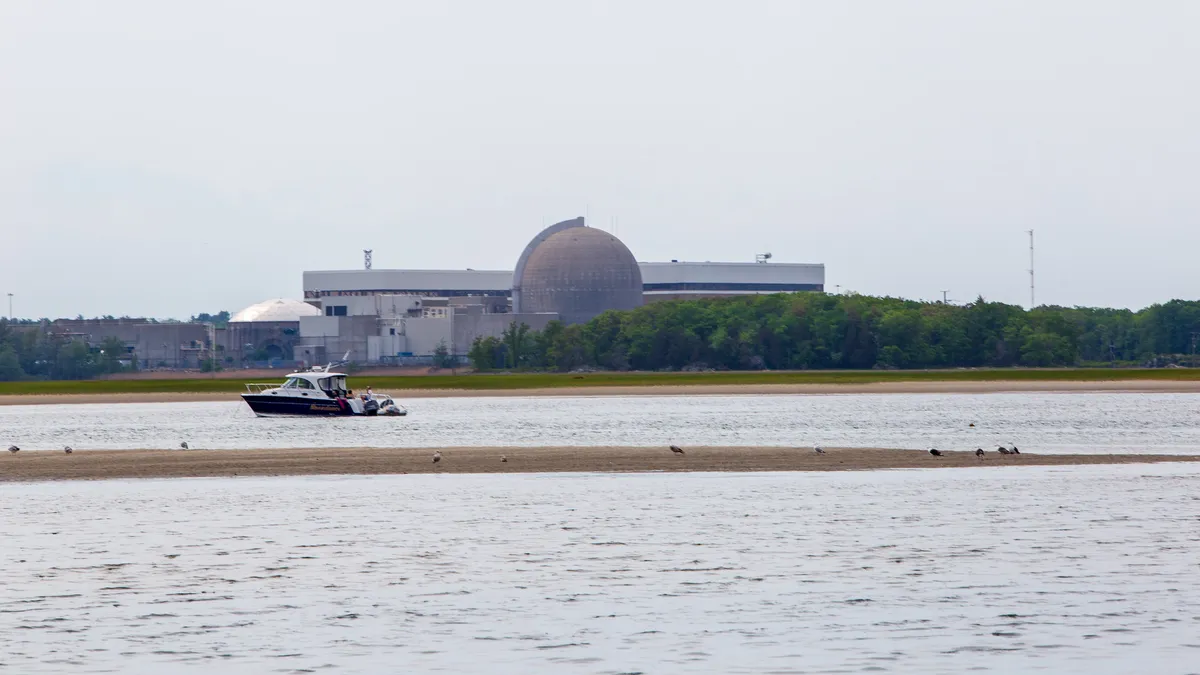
<point>997,386</point>
<point>102,464</point>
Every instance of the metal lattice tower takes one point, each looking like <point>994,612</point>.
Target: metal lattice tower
<point>367,258</point>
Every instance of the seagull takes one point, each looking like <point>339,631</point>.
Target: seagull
<point>68,450</point>
<point>935,452</point>
<point>503,458</point>
<point>1002,450</point>
<point>1015,451</point>
<point>979,453</point>
<point>677,450</point>
<point>819,450</point>
<point>13,449</point>
<point>183,445</point>
<point>437,457</point>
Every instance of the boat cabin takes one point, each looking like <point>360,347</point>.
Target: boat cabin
<point>333,384</point>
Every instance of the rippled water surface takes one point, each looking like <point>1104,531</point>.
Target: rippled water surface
<point>1059,422</point>
<point>1004,570</point>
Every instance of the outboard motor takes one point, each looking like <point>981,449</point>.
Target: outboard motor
<point>370,407</point>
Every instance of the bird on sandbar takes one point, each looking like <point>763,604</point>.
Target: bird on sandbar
<point>677,450</point>
<point>1014,450</point>
<point>979,453</point>
<point>503,458</point>
<point>13,449</point>
<point>183,445</point>
<point>437,457</point>
<point>819,450</point>
<point>1002,450</point>
<point>68,450</point>
<point>935,452</point>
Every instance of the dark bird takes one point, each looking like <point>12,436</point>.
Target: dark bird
<point>68,450</point>
<point>819,450</point>
<point>437,457</point>
<point>13,449</point>
<point>935,452</point>
<point>979,453</point>
<point>1002,450</point>
<point>677,450</point>
<point>972,425</point>
<point>1015,451</point>
<point>503,458</point>
<point>183,445</point>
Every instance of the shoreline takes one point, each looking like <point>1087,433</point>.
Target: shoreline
<point>920,387</point>
<point>46,465</point>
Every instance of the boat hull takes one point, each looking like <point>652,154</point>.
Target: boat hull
<point>281,405</point>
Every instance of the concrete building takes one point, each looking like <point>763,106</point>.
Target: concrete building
<point>402,329</point>
<point>683,280</point>
<point>150,344</point>
<point>428,283</point>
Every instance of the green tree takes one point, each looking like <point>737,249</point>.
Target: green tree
<point>442,358</point>
<point>10,365</point>
<point>516,339</point>
<point>486,354</point>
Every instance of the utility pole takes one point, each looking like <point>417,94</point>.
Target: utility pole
<point>10,314</point>
<point>945,300</point>
<point>1032,303</point>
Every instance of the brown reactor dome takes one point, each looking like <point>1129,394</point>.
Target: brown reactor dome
<point>577,272</point>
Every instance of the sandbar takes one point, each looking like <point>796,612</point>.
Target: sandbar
<point>86,464</point>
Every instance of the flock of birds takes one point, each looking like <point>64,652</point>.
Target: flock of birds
<point>675,449</point>
<point>979,452</point>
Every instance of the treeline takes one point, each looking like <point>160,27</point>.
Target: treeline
<point>817,331</point>
<point>45,355</point>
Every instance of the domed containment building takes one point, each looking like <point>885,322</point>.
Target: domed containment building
<point>279,309</point>
<point>577,272</point>
<point>266,331</point>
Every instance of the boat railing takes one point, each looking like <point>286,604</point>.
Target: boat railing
<point>260,387</point>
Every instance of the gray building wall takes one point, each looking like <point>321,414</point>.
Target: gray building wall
<point>243,341</point>
<point>171,345</point>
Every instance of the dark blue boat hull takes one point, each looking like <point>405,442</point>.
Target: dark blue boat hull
<point>266,404</point>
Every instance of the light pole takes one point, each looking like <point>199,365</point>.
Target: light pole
<point>10,314</point>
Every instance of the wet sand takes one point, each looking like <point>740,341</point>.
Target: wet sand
<point>997,386</point>
<point>101,464</point>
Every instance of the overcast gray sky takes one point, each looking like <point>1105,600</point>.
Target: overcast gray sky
<point>167,158</point>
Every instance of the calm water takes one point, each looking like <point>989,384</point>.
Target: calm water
<point>1069,422</point>
<point>1057,570</point>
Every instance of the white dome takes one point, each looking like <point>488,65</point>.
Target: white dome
<point>279,309</point>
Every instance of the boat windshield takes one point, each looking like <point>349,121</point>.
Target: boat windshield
<point>292,383</point>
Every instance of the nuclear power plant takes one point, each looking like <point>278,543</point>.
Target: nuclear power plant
<point>568,272</point>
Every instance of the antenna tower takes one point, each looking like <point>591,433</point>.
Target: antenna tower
<point>1032,303</point>
<point>367,258</point>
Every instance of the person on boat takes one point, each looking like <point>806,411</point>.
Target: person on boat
<point>368,396</point>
